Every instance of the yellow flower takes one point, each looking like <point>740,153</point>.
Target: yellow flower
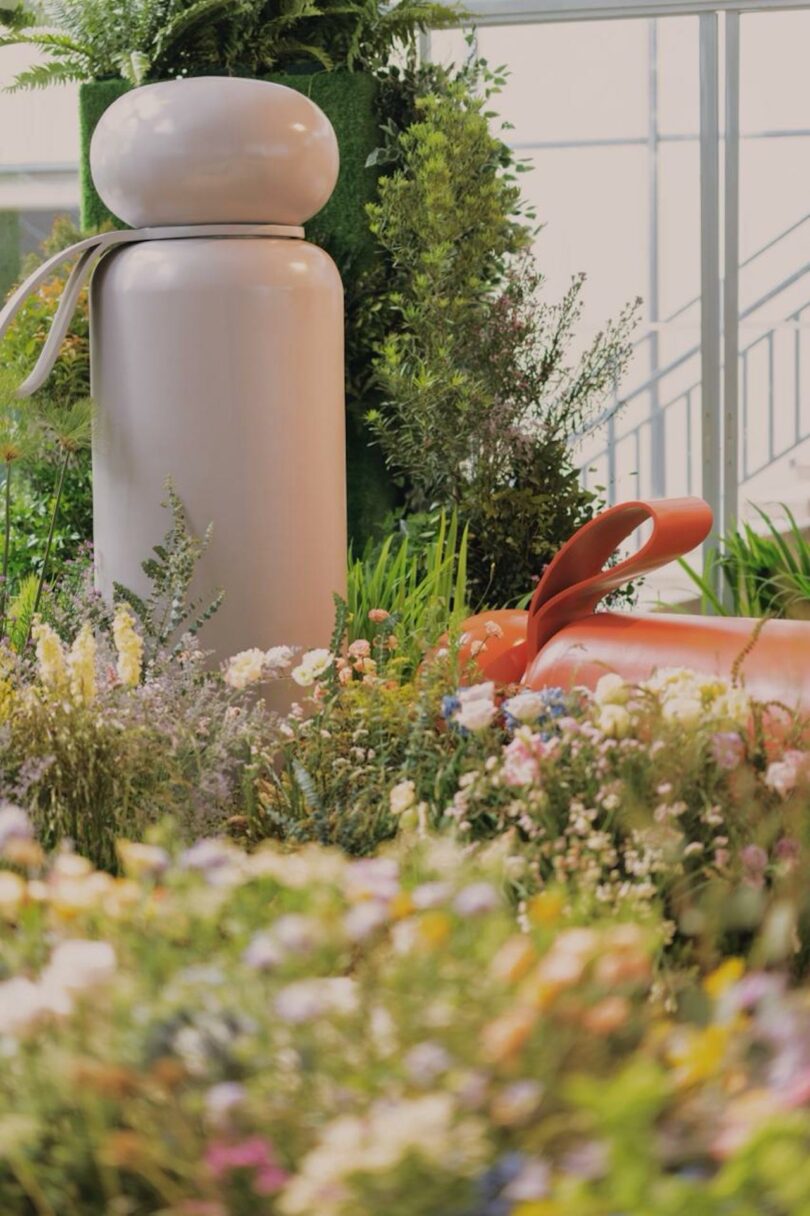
<point>129,646</point>
<point>434,929</point>
<point>81,665</point>
<point>504,1038</point>
<point>12,893</point>
<point>514,959</point>
<point>50,656</point>
<point>726,975</point>
<point>699,1054</point>
<point>546,908</point>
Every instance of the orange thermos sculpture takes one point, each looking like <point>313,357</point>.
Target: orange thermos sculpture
<point>563,641</point>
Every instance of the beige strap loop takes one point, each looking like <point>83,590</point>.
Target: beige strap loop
<point>88,253</point>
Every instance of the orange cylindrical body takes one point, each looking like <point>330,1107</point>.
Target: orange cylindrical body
<point>770,660</point>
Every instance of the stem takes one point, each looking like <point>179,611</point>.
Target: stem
<point>51,529</point>
<point>6,548</point>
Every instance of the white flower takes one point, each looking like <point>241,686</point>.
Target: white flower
<point>306,1000</point>
<point>77,965</point>
<point>475,899</point>
<point>14,824</point>
<point>376,1143</point>
<point>614,721</point>
<point>23,1004</point>
<point>475,716</point>
<point>611,690</point>
<point>364,919</point>
<point>312,666</point>
<point>476,706</point>
<point>476,692</point>
<point>402,797</point>
<point>686,711</point>
<point>733,704</point>
<point>278,657</point>
<point>525,707</point>
<point>245,668</point>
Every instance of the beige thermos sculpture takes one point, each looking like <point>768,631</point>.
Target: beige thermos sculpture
<point>217,351</point>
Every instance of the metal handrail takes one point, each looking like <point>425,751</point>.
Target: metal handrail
<point>685,398</point>
<point>683,358</point>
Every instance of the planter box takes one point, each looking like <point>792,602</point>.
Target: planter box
<point>349,99</point>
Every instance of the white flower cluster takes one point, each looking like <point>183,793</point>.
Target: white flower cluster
<point>313,665</point>
<point>75,967</point>
<point>428,1127</point>
<point>690,697</point>
<point>250,666</point>
<point>687,698</point>
<point>476,708</point>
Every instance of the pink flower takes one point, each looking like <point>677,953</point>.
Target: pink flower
<point>520,764</point>
<point>255,1153</point>
<point>728,749</point>
<point>378,615</point>
<point>521,758</point>
<point>782,775</point>
<point>360,649</point>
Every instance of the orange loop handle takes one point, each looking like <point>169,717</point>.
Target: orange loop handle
<point>576,580</point>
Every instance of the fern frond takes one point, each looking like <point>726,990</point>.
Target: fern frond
<point>199,13</point>
<point>43,75</point>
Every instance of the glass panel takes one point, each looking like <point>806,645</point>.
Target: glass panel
<point>774,391</point>
<point>609,114</point>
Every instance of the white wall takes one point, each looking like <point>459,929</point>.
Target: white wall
<point>37,129</point>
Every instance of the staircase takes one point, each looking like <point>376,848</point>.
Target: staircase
<point>648,441</point>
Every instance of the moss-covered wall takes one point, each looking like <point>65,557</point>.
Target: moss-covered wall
<point>349,99</point>
<point>9,250</point>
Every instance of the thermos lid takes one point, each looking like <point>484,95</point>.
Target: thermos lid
<point>214,150</point>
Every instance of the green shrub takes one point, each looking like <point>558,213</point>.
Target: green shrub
<point>478,400</point>
<point>9,249</point>
<point>112,727</point>
<point>158,39</point>
<point>418,576</point>
<point>641,797</point>
<point>46,521</point>
<point>764,575</point>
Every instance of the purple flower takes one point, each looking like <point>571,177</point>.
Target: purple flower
<point>728,749</point>
<point>222,1099</point>
<point>476,899</point>
<point>263,953</point>
<point>787,849</point>
<point>372,878</point>
<point>206,856</point>
<point>14,825</point>
<point>754,859</point>
<point>425,1062</point>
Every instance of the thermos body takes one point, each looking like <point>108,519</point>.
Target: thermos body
<point>218,363</point>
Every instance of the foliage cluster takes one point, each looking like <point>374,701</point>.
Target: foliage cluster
<point>118,721</point>
<point>145,40</point>
<point>50,516</point>
<point>418,576</point>
<point>634,798</point>
<point>480,399</point>
<point>301,1034</point>
<point>765,571</point>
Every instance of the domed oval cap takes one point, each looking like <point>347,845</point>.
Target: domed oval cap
<point>214,150</point>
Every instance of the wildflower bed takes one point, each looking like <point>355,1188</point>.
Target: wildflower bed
<point>451,950</point>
